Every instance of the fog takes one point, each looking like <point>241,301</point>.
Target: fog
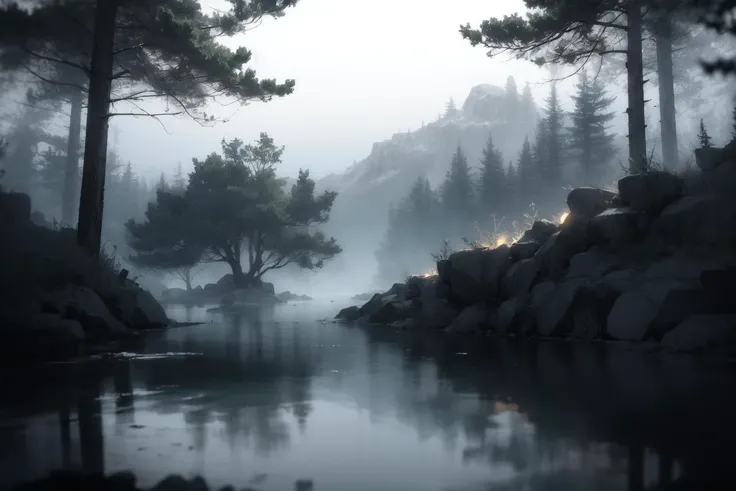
<point>369,118</point>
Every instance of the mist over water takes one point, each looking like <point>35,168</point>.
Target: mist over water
<point>276,395</point>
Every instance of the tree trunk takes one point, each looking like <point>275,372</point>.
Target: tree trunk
<point>89,228</point>
<point>239,278</point>
<point>668,124</point>
<point>188,280</point>
<point>635,72</point>
<point>71,173</point>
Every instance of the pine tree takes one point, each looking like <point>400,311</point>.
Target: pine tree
<point>511,95</point>
<point>703,136</point>
<point>451,109</point>
<point>513,202</point>
<point>526,174</point>
<point>180,182</point>
<point>527,108</point>
<point>589,138</point>
<point>492,187</point>
<point>555,141</point>
<point>457,194</point>
<point>533,179</point>
<point>162,185</point>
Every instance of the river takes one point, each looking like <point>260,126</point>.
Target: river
<point>274,396</point>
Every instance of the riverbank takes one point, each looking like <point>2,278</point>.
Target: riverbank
<point>57,302</point>
<point>652,263</point>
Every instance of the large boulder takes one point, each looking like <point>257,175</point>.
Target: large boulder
<point>698,220</point>
<point>708,159</point>
<point>474,318</point>
<point>510,314</point>
<point>349,314</point>
<point>15,208</point>
<point>617,227</point>
<point>138,308</point>
<point>649,309</point>
<point>540,232</point>
<point>474,275</point>
<point>712,333</point>
<point>431,308</point>
<point>553,315</point>
<point>520,278</point>
<point>554,256</point>
<point>587,202</point>
<point>650,191</point>
<point>85,306</point>
<point>593,264</point>
<point>523,250</point>
<point>590,309</point>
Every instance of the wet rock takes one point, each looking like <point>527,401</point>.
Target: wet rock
<point>405,324</point>
<point>714,332</point>
<point>698,220</point>
<point>349,314</point>
<point>587,202</point>
<point>540,232</point>
<point>618,281</point>
<point>15,208</point>
<point>540,292</point>
<point>617,226</point>
<point>684,267</point>
<point>636,311</point>
<point>432,309</point>
<point>388,313</point>
<point>471,319</point>
<point>509,315</point>
<point>85,306</point>
<point>590,309</point>
<point>371,305</point>
<point>138,309</point>
<point>651,191</point>
<point>553,314</point>
<point>592,264</point>
<point>519,278</point>
<point>523,250</point>
<point>475,275</point>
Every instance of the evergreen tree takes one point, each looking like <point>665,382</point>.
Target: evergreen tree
<point>492,189</point>
<point>589,137</point>
<point>533,182</point>
<point>162,184</point>
<point>180,181</point>
<point>703,136</point>
<point>526,174</point>
<point>457,195</point>
<point>451,110</point>
<point>554,139</point>
<point>511,95</point>
<point>513,201</point>
<point>527,108</point>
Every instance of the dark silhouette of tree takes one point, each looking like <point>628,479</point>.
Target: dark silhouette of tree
<point>703,137</point>
<point>589,136</point>
<point>554,140</point>
<point>457,195</point>
<point>493,193</point>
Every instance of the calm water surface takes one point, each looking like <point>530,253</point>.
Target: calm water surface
<point>273,396</point>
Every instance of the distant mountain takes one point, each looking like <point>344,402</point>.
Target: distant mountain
<point>367,188</point>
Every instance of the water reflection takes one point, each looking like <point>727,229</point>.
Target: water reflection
<point>269,398</point>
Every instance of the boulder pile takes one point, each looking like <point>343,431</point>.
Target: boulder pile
<point>654,262</point>
<point>55,298</point>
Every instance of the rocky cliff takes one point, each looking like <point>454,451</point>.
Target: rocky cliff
<point>655,262</point>
<point>367,188</point>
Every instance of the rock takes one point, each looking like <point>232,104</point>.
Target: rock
<point>717,286</point>
<point>371,305</point>
<point>85,306</point>
<point>540,232</point>
<point>405,324</point>
<point>590,309</point>
<point>636,310</point>
<point>471,319</point>
<point>48,337</point>
<point>475,275</point>
<point>432,309</point>
<point>349,314</point>
<point>553,315</point>
<point>508,316</point>
<point>540,293</point>
<point>716,332</point>
<point>267,288</point>
<point>523,250</point>
<point>587,202</point>
<point>287,296</point>
<point>683,267</point>
<point>617,227</point>
<point>387,313</point>
<point>398,289</point>
<point>618,281</point>
<point>573,238</point>
<point>138,309</point>
<point>651,191</point>
<point>520,278</point>
<point>15,208</point>
<point>592,264</point>
<point>708,159</point>
<point>228,300</point>
<point>705,220</point>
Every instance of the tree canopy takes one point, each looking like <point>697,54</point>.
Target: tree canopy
<point>234,203</point>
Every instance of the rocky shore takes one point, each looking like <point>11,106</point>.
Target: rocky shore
<point>654,262</point>
<point>56,301</point>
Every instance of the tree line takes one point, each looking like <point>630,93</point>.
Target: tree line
<point>488,201</point>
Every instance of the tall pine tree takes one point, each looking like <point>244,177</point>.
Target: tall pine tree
<point>492,192</point>
<point>555,143</point>
<point>457,195</point>
<point>527,175</point>
<point>589,136</point>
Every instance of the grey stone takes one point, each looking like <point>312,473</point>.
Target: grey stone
<point>616,227</point>
<point>715,332</point>
<point>471,319</point>
<point>520,278</point>
<point>475,275</point>
<point>651,191</point>
<point>523,250</point>
<point>552,317</point>
<point>587,202</point>
<point>704,220</point>
<point>349,314</point>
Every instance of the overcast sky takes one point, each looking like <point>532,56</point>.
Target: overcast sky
<point>364,70</point>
